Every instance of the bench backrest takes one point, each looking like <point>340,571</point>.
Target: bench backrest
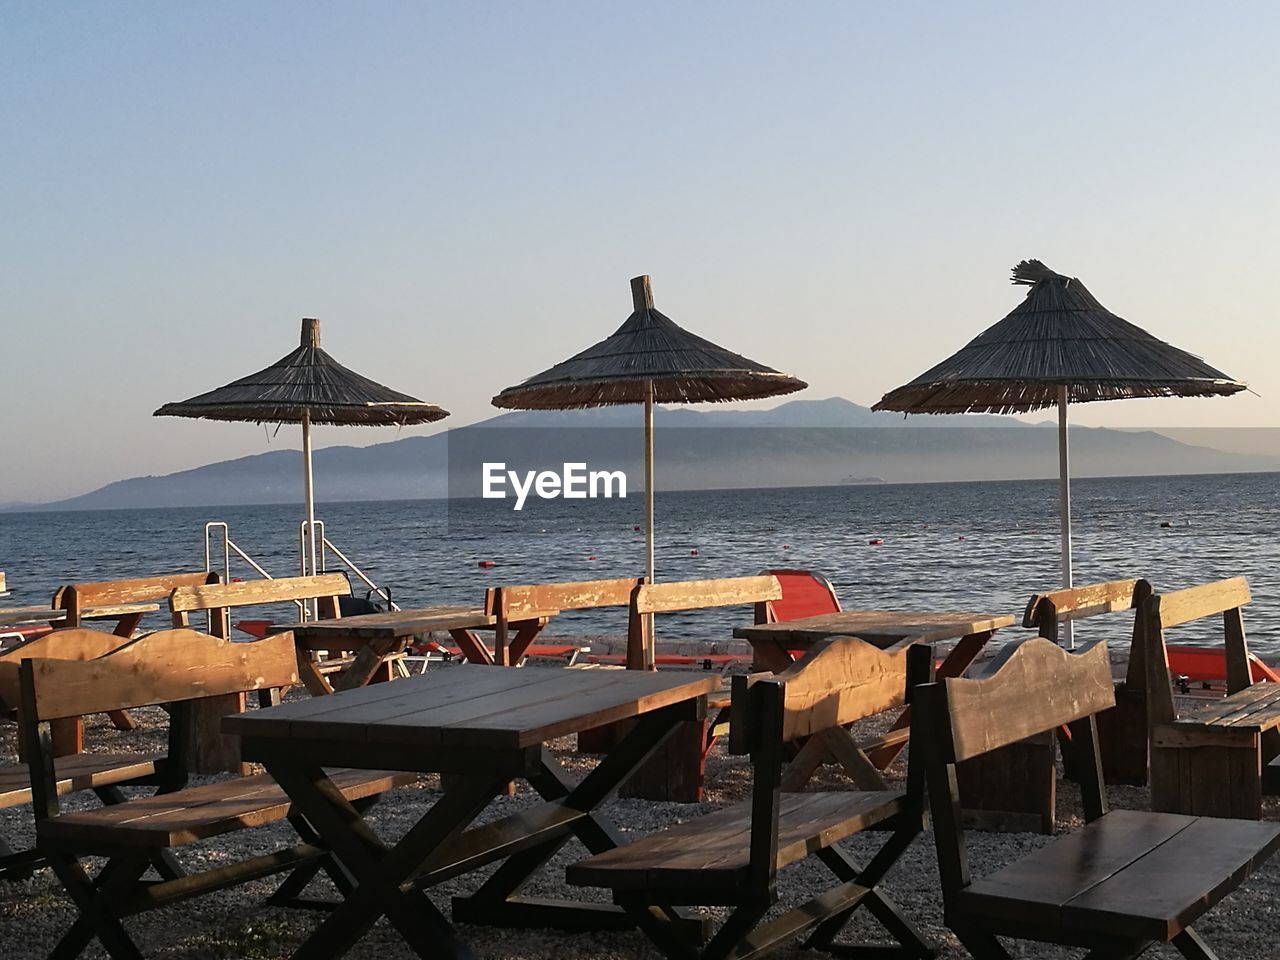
<point>1046,612</point>
<point>324,588</point>
<point>175,667</point>
<point>75,597</point>
<point>700,594</point>
<point>168,666</point>
<point>1031,687</point>
<point>651,598</point>
<point>1179,607</point>
<point>79,643</point>
<point>837,682</point>
<point>804,594</point>
<point>532,600</point>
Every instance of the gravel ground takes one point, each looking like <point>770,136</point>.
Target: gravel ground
<point>235,924</point>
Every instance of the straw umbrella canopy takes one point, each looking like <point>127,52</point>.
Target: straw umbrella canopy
<point>1059,346</point>
<point>649,359</point>
<point>307,386</point>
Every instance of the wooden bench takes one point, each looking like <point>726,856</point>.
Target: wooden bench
<point>75,598</point>
<point>1122,730</point>
<point>125,601</point>
<point>1209,761</point>
<point>732,857</point>
<point>174,667</point>
<point>73,771</point>
<point>1124,881</point>
<point>677,768</point>
<point>521,612</point>
<point>211,752</point>
<point>1015,788</point>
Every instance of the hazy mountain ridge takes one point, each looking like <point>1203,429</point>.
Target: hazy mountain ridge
<point>800,443</point>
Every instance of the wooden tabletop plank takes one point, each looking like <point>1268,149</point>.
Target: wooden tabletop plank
<point>395,624</point>
<point>479,706</point>
<point>553,719</point>
<point>16,616</point>
<point>500,709</point>
<point>372,702</point>
<point>881,627</point>
<point>354,722</point>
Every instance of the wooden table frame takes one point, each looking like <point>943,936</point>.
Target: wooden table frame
<point>392,880</point>
<point>126,615</point>
<point>772,644</point>
<point>70,735</point>
<point>377,636</point>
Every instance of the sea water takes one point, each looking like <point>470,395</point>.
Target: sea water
<point>981,546</point>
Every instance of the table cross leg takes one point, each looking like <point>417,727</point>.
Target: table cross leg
<point>366,663</point>
<point>833,745</point>
<point>381,872</point>
<point>954,664</point>
<point>526,633</point>
<point>633,750</point>
<point>98,899</point>
<point>877,902</point>
<point>554,783</point>
<point>472,647</point>
<point>289,893</point>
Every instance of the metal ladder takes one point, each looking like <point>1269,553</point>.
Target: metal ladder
<point>219,532</point>
<point>326,547</point>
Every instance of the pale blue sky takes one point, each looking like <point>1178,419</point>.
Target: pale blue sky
<point>461,192</point>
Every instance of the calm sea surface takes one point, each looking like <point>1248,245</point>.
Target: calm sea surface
<point>974,546</point>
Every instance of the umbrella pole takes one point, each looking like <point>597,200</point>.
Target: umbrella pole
<point>309,555</point>
<point>648,652</point>
<point>1064,500</point>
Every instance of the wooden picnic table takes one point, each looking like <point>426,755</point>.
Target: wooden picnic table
<point>126,615</point>
<point>482,728</point>
<point>773,645</point>
<point>376,636</point>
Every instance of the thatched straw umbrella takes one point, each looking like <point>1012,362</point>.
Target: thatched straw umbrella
<point>307,386</point>
<point>649,359</point>
<point>1059,346</point>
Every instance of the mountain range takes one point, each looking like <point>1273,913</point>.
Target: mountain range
<point>799,443</point>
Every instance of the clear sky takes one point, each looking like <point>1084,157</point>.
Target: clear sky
<point>461,191</point>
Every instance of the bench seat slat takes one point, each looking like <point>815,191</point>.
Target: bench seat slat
<point>82,771</point>
<point>715,849</point>
<point>1170,887</point>
<point>1130,873</point>
<point>1261,711</point>
<point>1232,704</point>
<point>197,813</point>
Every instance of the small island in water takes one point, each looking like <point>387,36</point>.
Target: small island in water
<point>852,479</point>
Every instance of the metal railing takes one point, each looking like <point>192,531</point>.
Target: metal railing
<point>218,531</point>
<point>230,548</point>
<point>324,546</point>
